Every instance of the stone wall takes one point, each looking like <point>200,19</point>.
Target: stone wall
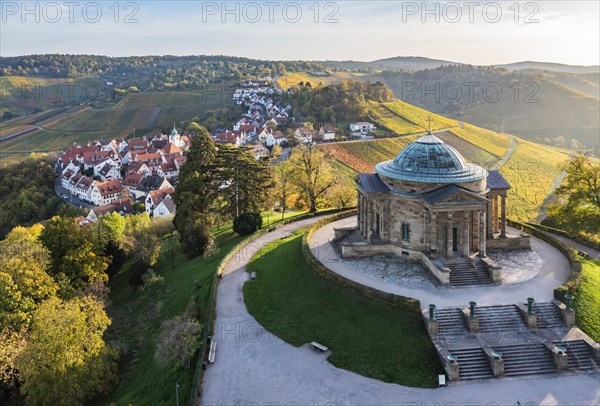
<point>513,243</point>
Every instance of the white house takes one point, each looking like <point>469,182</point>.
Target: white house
<point>84,187</point>
<point>105,192</point>
<point>155,197</point>
<point>276,138</point>
<point>304,134</point>
<point>362,127</point>
<point>165,208</point>
<point>327,132</point>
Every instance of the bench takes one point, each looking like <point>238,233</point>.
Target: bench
<point>253,275</point>
<point>319,347</point>
<point>212,351</point>
<point>442,379</point>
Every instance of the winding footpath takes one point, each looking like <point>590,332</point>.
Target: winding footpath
<point>255,367</point>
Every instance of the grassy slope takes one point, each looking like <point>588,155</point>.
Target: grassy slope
<point>587,299</point>
<point>367,337</point>
<point>137,316</point>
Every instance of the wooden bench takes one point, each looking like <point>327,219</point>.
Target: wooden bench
<point>212,351</point>
<point>319,347</point>
<point>442,379</point>
<point>253,275</point>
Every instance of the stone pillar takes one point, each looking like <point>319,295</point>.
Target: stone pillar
<point>474,231</point>
<point>433,233</point>
<point>369,220</point>
<point>358,211</point>
<point>503,221</point>
<point>489,215</point>
<point>497,364</point>
<point>449,227</point>
<point>495,215</point>
<point>482,234</point>
<point>466,240</point>
<point>561,359</point>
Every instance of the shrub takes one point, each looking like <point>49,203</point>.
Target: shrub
<point>247,223</point>
<point>196,239</point>
<point>178,341</point>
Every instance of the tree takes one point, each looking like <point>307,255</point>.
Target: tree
<point>178,341</point>
<point>342,194</point>
<point>139,239</point>
<point>75,259</point>
<point>65,361</point>
<point>24,283</point>
<point>197,239</point>
<point>578,207</point>
<point>243,181</point>
<point>196,193</point>
<point>283,186</point>
<point>312,173</point>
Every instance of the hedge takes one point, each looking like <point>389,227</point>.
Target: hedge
<point>574,279</point>
<point>564,234</point>
<point>401,302</point>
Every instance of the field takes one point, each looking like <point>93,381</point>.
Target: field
<point>291,80</point>
<point>136,111</point>
<point>531,171</point>
<point>419,116</point>
<point>367,337</point>
<point>587,299</point>
<point>391,121</point>
<point>25,94</point>
<point>490,141</point>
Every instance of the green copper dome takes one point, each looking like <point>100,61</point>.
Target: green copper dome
<point>430,160</point>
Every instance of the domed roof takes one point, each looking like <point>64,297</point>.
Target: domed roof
<point>430,160</point>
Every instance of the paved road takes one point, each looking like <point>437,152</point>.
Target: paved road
<point>590,251</point>
<point>255,367</point>
<point>509,153</point>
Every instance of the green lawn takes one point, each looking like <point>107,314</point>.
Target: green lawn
<point>366,336</point>
<point>137,316</point>
<point>587,299</point>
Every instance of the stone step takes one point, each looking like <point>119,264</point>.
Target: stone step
<point>580,355</point>
<point>526,359</point>
<point>451,321</point>
<point>493,318</point>
<point>548,315</point>
<point>473,364</point>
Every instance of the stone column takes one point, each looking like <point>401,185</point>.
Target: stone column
<point>489,215</point>
<point>503,221</point>
<point>433,243</point>
<point>466,240</point>
<point>369,220</point>
<point>482,233</point>
<point>449,236</point>
<point>495,215</point>
<point>474,234</point>
<point>358,211</point>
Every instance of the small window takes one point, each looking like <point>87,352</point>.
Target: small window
<point>405,232</point>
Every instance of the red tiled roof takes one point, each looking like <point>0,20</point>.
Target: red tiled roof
<point>109,187</point>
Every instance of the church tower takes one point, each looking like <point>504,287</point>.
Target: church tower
<point>174,137</point>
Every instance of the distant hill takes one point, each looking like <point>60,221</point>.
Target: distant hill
<point>398,63</point>
<point>550,66</point>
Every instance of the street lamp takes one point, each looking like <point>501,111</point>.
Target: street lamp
<point>177,393</point>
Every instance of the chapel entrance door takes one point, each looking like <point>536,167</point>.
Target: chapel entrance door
<point>454,239</point>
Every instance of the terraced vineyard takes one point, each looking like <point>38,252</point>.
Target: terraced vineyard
<point>391,121</point>
<point>419,116</point>
<point>531,171</point>
<point>493,142</point>
<point>291,80</point>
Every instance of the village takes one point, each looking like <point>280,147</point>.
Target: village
<point>116,175</point>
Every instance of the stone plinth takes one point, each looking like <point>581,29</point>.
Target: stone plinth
<point>561,359</point>
<point>432,327</point>
<point>473,323</point>
<point>497,366</point>
<point>567,315</point>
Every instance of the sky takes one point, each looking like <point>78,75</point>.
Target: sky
<point>475,32</point>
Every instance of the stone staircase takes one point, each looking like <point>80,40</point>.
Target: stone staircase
<point>499,318</point>
<point>548,315</point>
<point>467,272</point>
<point>526,359</point>
<point>451,322</point>
<point>474,364</point>
<point>580,355</point>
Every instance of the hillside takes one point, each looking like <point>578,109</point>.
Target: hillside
<point>55,129</point>
<point>536,106</point>
<point>530,168</point>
